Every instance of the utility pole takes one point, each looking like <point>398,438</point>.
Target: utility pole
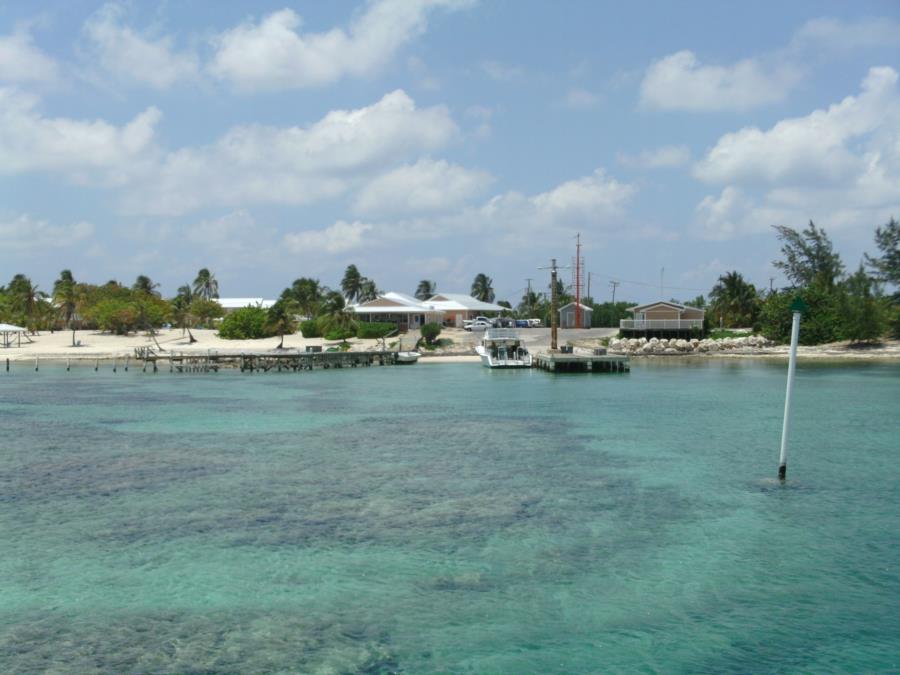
<point>662,274</point>
<point>530,302</point>
<point>612,318</point>
<point>589,286</point>
<point>771,286</point>
<point>553,302</point>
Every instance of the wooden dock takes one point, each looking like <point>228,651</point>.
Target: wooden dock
<point>560,362</point>
<point>262,362</point>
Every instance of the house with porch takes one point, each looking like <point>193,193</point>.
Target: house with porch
<point>663,319</point>
<point>404,310</point>
<point>458,307</point>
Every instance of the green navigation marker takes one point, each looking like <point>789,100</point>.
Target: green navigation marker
<point>799,306</point>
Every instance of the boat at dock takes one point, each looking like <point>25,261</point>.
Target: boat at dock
<point>406,358</point>
<point>503,348</point>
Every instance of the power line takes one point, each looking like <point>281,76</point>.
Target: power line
<point>656,285</point>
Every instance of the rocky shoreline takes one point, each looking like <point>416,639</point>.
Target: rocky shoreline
<point>661,346</point>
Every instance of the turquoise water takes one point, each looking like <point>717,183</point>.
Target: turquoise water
<point>447,518</point>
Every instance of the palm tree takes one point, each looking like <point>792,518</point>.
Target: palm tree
<point>25,297</point>
<point>205,285</point>
<point>143,284</point>
<point>351,284</point>
<point>307,293</point>
<point>482,288</point>
<point>425,289</point>
<point>367,290</point>
<point>734,300</point>
<point>336,318</point>
<point>281,318</point>
<point>67,296</point>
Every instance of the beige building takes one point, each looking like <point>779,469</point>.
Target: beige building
<point>663,317</point>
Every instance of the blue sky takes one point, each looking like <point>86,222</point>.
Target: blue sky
<point>441,138</point>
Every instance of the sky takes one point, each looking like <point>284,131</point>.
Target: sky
<point>439,139</point>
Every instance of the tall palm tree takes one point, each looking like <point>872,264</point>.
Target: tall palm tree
<point>143,284</point>
<point>367,290</point>
<point>351,284</point>
<point>281,317</point>
<point>67,297</point>
<point>336,318</point>
<point>425,289</point>
<point>734,300</point>
<point>205,285</point>
<point>308,294</point>
<point>25,297</point>
<point>483,288</point>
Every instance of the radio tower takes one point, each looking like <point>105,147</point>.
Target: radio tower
<point>578,264</point>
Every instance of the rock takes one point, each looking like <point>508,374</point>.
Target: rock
<point>670,350</point>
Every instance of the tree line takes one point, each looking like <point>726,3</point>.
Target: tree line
<point>842,306</point>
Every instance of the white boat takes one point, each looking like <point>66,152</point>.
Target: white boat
<point>503,348</point>
<point>408,357</point>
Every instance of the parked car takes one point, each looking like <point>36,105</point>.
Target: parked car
<point>534,323</point>
<point>522,323</point>
<point>478,324</point>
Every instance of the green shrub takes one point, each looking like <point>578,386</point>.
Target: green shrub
<point>819,325</point>
<point>249,323</point>
<point>894,321</point>
<point>310,328</point>
<point>374,329</point>
<point>430,331</point>
<point>340,334</point>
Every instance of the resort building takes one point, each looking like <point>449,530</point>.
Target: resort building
<point>457,307</point>
<point>231,304</point>
<point>404,310</point>
<point>663,319</point>
<point>567,318</point>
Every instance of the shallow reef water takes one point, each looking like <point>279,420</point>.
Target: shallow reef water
<point>448,518</point>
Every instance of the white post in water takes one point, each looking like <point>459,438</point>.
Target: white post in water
<point>797,308</point>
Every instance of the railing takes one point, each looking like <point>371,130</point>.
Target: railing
<point>660,324</point>
<point>501,334</point>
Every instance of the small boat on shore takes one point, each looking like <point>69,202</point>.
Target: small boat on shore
<point>407,358</point>
<point>503,348</point>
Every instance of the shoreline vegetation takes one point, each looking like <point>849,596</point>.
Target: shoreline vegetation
<point>840,307</point>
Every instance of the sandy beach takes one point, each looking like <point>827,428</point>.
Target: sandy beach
<point>94,345</point>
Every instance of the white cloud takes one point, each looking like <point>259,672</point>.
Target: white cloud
<point>665,157</point>
<point>132,57</point>
<point>337,238</point>
<point>580,99</point>
<point>807,149</point>
<point>29,141</point>
<point>273,54</point>
<point>21,61</point>
<point>24,233</point>
<point>680,82</point>
<point>839,166</point>
<point>295,165</point>
<point>588,204</point>
<point>426,186</point>
<point>834,34</point>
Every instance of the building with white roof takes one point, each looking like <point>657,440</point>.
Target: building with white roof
<point>404,310</point>
<point>457,307</point>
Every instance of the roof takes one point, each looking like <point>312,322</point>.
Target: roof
<point>572,304</point>
<point>394,303</point>
<point>9,328</point>
<point>238,303</point>
<point>673,305</point>
<point>447,302</point>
